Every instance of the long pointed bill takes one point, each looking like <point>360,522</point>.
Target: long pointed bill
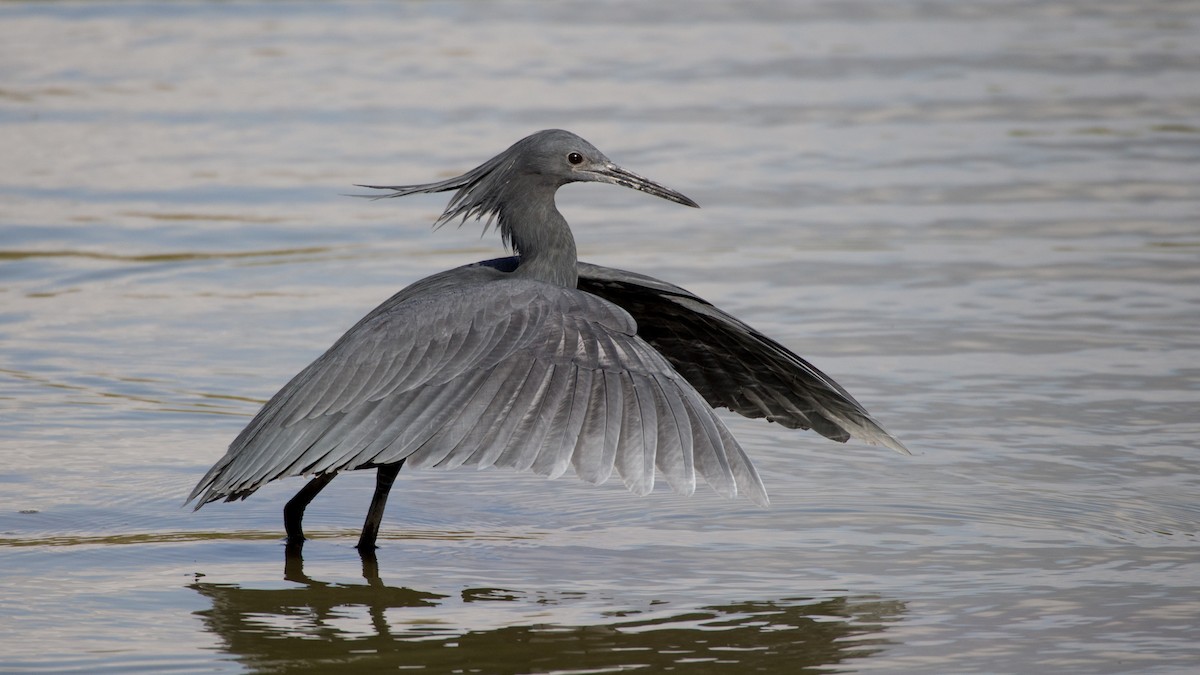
<point>611,173</point>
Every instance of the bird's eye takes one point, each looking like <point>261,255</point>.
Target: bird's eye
<point>575,158</point>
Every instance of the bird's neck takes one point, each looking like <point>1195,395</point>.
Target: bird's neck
<point>540,235</point>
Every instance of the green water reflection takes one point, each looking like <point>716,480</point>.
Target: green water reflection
<point>317,626</point>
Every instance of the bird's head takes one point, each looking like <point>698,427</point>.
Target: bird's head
<point>549,159</point>
<point>563,157</point>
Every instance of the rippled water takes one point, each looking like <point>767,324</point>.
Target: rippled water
<point>980,217</point>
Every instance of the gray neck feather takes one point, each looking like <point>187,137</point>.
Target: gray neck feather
<point>537,232</point>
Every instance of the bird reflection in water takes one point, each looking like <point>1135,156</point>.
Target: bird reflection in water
<point>314,626</point>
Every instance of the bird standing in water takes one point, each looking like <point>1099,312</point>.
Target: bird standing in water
<point>536,362</point>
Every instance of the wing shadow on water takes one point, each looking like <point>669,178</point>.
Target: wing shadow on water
<point>318,626</point>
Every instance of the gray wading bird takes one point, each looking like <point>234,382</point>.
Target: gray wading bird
<point>536,362</point>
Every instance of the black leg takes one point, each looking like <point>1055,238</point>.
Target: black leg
<point>384,477</point>
<point>293,512</point>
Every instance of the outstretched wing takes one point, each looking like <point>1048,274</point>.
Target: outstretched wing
<point>732,365</point>
<point>473,367</point>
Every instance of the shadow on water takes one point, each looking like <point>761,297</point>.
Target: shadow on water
<point>317,625</point>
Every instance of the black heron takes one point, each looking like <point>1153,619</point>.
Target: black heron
<point>537,362</point>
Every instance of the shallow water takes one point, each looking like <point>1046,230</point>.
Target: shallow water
<point>980,217</point>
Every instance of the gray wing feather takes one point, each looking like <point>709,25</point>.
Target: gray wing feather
<point>745,476</point>
<point>639,437</point>
<point>536,418</point>
<point>444,449</point>
<point>480,437</point>
<point>711,461</point>
<point>675,444</point>
<point>596,448</point>
<point>554,454</point>
<point>522,395</point>
<point>472,367</point>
